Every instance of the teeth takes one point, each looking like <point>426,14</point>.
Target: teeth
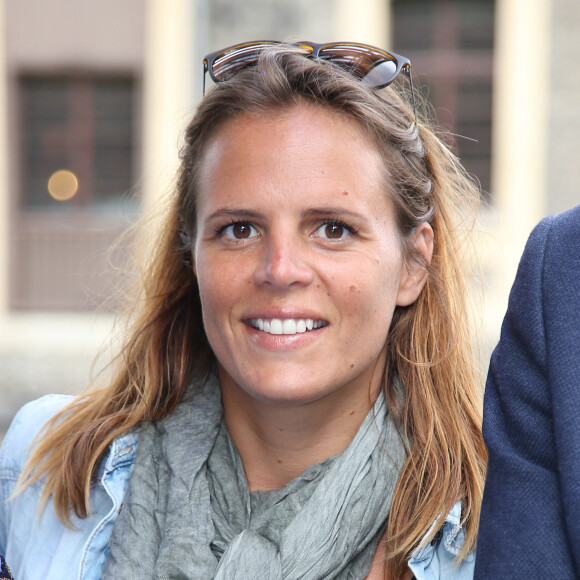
<point>276,326</point>
<point>287,326</point>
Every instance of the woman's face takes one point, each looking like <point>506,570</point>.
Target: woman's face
<point>298,257</point>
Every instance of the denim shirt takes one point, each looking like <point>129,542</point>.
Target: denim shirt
<point>41,547</point>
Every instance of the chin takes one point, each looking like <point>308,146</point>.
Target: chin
<point>287,396</point>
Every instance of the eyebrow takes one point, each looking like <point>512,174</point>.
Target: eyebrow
<point>234,213</point>
<point>309,213</point>
<point>325,211</point>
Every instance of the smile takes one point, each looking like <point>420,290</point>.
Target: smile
<point>286,326</point>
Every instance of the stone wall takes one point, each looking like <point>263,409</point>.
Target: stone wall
<point>233,21</point>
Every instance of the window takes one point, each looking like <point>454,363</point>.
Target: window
<point>82,125</point>
<point>450,43</point>
<point>77,165</point>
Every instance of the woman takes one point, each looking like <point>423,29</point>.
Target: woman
<point>298,381</point>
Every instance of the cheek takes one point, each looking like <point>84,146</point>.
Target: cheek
<point>373,297</point>
<point>222,284</point>
<point>213,290</point>
<point>370,299</point>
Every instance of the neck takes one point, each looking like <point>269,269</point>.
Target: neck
<point>278,442</point>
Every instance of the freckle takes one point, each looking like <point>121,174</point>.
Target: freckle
<point>279,461</point>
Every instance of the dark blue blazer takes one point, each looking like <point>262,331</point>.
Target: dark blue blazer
<point>530,523</point>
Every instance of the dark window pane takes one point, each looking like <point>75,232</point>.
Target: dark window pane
<point>85,125</point>
<point>113,139</point>
<point>476,23</point>
<point>453,70</point>
<point>44,137</point>
<point>413,24</point>
<point>81,124</point>
<point>474,123</point>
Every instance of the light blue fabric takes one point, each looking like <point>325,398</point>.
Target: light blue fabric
<point>46,549</point>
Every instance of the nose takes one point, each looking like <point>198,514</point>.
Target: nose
<point>283,264</point>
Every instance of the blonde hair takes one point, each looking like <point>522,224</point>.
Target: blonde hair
<point>429,344</point>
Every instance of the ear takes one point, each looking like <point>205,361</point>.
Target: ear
<point>414,274</point>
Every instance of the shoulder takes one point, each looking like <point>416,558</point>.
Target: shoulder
<point>561,264</point>
<point>545,283</point>
<point>565,221</point>
<point>23,528</point>
<point>549,276</point>
<point>554,235</point>
<point>564,225</point>
<point>438,559</point>
<point>27,423</point>
<point>15,448</point>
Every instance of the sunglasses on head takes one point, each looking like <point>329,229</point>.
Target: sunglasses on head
<point>373,66</point>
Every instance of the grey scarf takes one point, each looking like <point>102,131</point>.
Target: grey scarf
<point>188,512</point>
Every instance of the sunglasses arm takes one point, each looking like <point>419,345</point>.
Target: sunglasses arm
<point>408,71</point>
<point>205,69</point>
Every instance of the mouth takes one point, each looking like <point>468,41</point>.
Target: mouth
<point>286,325</point>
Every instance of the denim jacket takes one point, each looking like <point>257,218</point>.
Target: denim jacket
<point>41,547</point>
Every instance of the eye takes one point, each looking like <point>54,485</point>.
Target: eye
<point>239,231</point>
<point>333,230</point>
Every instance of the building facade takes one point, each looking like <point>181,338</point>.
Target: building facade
<point>94,96</point>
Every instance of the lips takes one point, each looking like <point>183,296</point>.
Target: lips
<point>286,325</point>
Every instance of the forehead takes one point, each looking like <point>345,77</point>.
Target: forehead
<point>300,161</point>
<point>307,137</point>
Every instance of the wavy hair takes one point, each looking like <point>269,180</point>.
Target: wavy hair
<point>429,345</point>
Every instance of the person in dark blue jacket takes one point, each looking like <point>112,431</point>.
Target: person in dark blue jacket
<point>530,523</point>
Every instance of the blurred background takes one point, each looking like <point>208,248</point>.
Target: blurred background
<point>94,95</point>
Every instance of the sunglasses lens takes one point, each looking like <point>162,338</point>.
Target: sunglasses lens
<point>382,74</point>
<point>373,67</point>
<point>233,60</point>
